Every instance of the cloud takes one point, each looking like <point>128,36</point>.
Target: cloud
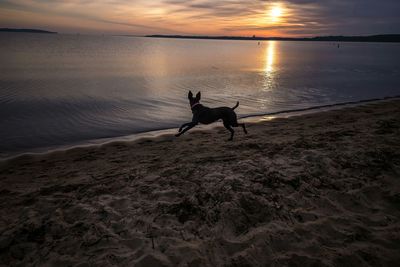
<point>236,17</point>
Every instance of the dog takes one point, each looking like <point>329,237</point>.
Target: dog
<point>205,115</point>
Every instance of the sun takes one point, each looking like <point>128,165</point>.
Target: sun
<point>275,13</point>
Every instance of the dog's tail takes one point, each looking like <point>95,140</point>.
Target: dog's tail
<point>237,104</point>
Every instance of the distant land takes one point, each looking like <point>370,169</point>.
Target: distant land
<point>392,38</point>
<point>24,30</point>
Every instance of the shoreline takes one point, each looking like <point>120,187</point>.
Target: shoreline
<point>157,133</point>
<point>383,38</point>
<point>320,189</point>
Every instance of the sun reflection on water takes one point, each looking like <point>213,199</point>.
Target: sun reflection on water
<point>270,57</point>
<point>268,73</point>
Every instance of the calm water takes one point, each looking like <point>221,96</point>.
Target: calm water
<point>66,89</point>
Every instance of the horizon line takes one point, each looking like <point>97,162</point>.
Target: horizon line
<point>255,37</point>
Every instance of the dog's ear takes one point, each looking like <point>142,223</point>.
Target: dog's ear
<point>190,95</point>
<point>198,96</point>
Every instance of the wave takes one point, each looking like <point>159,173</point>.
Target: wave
<point>158,132</point>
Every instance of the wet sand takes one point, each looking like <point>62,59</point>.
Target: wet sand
<point>321,189</point>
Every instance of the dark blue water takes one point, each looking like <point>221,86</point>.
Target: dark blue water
<point>58,90</point>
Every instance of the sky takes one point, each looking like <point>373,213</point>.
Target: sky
<point>287,18</point>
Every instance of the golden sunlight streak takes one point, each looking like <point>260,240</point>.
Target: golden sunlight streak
<point>269,57</point>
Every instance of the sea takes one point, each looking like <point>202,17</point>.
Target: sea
<point>60,90</point>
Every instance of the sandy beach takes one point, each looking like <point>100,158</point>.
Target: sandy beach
<point>320,189</point>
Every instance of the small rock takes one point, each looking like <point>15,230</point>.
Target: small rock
<point>5,241</point>
<point>152,260</point>
<point>17,252</point>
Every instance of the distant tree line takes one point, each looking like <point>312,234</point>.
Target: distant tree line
<point>394,38</point>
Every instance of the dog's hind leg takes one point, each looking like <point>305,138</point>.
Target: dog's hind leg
<point>227,126</point>
<point>244,127</point>
<point>236,124</point>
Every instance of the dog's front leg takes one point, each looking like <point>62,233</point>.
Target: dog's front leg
<point>184,125</point>
<point>189,125</point>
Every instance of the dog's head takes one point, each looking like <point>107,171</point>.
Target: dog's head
<point>194,100</point>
